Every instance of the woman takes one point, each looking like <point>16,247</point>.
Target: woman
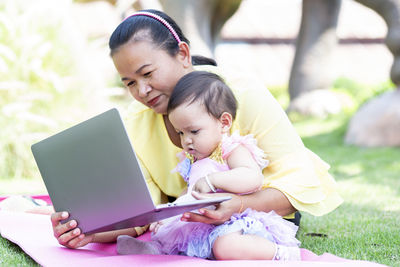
<point>151,54</point>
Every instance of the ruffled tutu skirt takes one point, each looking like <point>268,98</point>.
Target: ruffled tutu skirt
<point>177,237</point>
<point>197,239</point>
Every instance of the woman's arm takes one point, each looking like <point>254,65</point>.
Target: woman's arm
<point>264,200</point>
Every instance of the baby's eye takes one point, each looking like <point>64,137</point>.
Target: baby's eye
<point>195,131</point>
<point>180,133</point>
<point>147,74</point>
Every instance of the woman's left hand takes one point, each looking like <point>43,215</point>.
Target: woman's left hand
<point>221,214</point>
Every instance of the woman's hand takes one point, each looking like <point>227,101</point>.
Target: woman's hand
<point>67,233</point>
<point>221,214</point>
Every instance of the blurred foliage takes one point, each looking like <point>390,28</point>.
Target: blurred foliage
<point>38,59</point>
<point>360,93</point>
<point>354,93</point>
<point>281,94</point>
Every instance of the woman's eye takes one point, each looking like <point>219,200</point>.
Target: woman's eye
<point>131,83</point>
<point>194,131</point>
<point>180,133</point>
<point>147,74</point>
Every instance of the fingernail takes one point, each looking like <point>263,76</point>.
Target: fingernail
<point>64,215</point>
<point>201,211</point>
<point>186,215</point>
<point>72,223</point>
<point>76,231</point>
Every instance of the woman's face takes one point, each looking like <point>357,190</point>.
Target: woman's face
<point>150,73</point>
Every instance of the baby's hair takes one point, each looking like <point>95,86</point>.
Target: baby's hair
<point>206,87</point>
<point>156,27</point>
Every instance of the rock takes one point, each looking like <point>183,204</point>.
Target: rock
<point>319,103</point>
<point>376,123</point>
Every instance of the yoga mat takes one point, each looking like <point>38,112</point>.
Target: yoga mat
<point>33,233</point>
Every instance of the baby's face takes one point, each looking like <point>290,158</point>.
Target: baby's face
<point>199,131</point>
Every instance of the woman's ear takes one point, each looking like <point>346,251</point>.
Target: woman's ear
<point>226,121</point>
<point>184,54</point>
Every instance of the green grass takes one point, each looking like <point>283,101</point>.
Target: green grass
<point>366,226</point>
<point>12,255</point>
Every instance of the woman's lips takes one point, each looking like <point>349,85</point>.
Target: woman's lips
<point>153,101</point>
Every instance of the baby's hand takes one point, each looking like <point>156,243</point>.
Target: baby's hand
<point>202,186</point>
<point>155,226</point>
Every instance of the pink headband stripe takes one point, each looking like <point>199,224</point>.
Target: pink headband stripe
<point>160,19</point>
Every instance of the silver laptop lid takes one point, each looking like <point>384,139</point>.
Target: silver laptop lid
<point>87,159</point>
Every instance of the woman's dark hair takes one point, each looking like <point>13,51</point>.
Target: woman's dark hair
<point>206,87</point>
<point>143,27</point>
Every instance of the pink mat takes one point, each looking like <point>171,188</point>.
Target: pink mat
<point>32,232</point>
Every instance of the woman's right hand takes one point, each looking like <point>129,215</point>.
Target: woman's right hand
<point>68,234</point>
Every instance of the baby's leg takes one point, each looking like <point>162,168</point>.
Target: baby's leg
<point>236,246</point>
<point>130,245</point>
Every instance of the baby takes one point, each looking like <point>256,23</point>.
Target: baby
<point>202,109</point>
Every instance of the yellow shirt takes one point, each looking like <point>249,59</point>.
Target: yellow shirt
<point>293,169</point>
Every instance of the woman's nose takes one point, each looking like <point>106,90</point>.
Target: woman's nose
<point>144,89</point>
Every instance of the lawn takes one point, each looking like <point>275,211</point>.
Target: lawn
<point>367,225</point>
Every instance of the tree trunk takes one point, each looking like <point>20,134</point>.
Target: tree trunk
<point>201,20</point>
<point>389,10</point>
<point>316,42</point>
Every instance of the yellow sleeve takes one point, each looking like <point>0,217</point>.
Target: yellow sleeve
<point>294,170</point>
<point>156,194</point>
<point>155,151</point>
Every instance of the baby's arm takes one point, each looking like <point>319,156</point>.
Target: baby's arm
<point>244,175</point>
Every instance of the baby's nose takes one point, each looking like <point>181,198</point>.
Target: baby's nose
<point>188,140</point>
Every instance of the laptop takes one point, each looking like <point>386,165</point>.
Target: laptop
<point>91,171</point>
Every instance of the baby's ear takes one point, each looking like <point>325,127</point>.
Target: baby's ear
<point>226,121</point>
